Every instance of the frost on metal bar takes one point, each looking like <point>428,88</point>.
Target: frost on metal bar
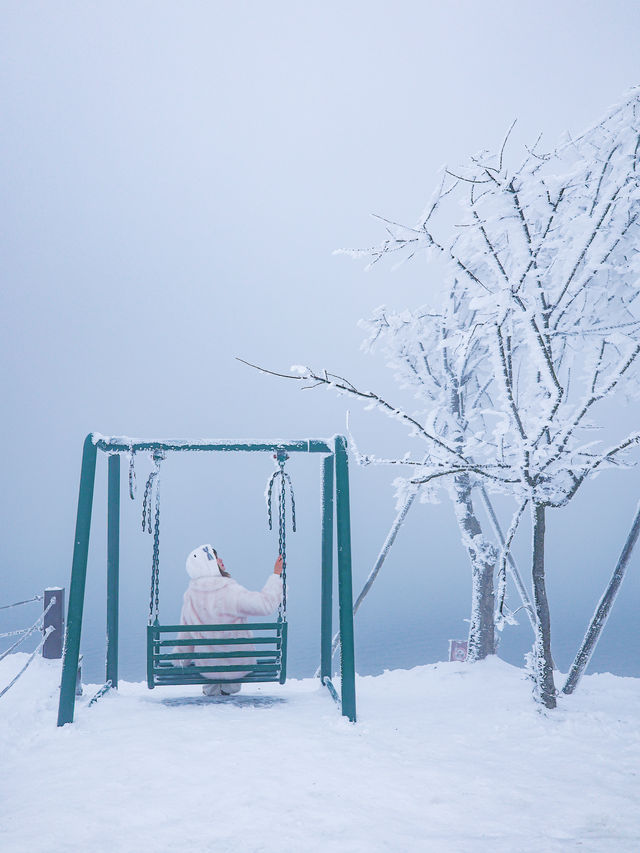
<point>125,444</point>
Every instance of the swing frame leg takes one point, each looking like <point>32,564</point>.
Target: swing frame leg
<point>345,591</point>
<point>326,606</point>
<point>71,651</point>
<point>113,568</point>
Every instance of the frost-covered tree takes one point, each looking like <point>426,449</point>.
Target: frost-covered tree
<point>450,375</point>
<point>540,332</point>
<point>547,254</point>
<point>450,383</point>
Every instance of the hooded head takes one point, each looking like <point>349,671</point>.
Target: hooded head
<point>202,562</point>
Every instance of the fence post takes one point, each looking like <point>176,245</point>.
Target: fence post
<point>52,648</point>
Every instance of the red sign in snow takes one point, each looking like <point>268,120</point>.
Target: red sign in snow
<point>458,649</point>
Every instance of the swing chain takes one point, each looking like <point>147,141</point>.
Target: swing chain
<point>153,479</point>
<point>282,544</point>
<point>157,457</point>
<point>285,480</point>
<point>280,472</point>
<point>156,552</point>
<point>146,503</point>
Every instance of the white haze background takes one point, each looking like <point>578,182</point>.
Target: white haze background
<point>175,178</point>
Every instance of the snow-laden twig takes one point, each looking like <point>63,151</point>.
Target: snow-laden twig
<point>339,384</point>
<point>501,616</point>
<point>513,568</point>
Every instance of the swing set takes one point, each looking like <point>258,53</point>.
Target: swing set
<point>168,667</point>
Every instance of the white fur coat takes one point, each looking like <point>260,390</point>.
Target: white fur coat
<point>212,599</point>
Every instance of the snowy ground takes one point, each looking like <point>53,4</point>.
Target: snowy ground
<point>449,757</point>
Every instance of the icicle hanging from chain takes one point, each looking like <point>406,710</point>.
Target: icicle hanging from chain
<point>132,474</point>
<point>285,480</point>
<point>152,497</point>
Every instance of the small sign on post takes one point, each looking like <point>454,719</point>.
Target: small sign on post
<point>52,648</point>
<point>458,650</point>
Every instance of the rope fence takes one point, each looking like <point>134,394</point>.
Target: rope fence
<point>49,630</point>
<point>13,633</point>
<point>18,603</point>
<point>50,621</point>
<point>28,631</point>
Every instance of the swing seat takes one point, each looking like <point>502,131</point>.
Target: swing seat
<point>164,666</point>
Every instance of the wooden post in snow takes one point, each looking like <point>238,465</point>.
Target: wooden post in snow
<point>52,647</point>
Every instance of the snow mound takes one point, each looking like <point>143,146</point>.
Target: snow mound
<point>448,757</point>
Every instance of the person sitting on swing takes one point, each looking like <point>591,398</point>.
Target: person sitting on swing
<point>213,597</point>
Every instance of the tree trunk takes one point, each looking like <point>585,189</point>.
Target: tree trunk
<point>545,690</point>
<point>483,556</point>
<point>603,609</point>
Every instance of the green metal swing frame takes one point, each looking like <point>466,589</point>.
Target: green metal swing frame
<point>335,495</point>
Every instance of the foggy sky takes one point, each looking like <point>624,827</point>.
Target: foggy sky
<point>175,178</point>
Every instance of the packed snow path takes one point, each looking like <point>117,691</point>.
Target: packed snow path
<point>449,757</point>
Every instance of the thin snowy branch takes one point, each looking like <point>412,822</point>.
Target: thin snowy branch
<point>370,396</point>
<point>502,565</point>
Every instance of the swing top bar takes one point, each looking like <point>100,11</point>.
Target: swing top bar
<point>124,444</point>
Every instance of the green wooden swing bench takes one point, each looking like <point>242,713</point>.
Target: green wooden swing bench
<point>165,661</point>
<point>165,668</point>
